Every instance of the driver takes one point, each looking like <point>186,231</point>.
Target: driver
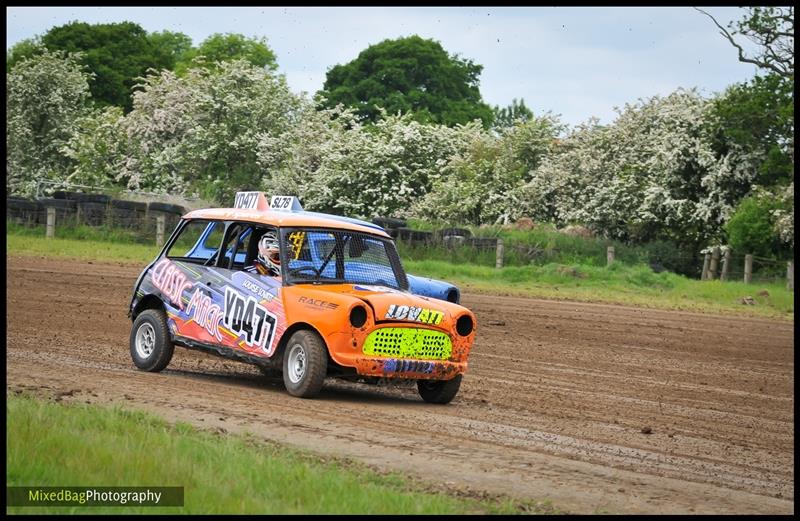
<point>268,260</point>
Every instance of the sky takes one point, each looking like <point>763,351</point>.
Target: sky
<point>576,62</point>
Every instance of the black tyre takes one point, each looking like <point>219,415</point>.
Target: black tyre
<point>389,222</point>
<point>167,208</point>
<point>439,391</point>
<point>128,205</point>
<point>455,232</point>
<point>90,198</point>
<point>73,196</point>
<point>22,204</point>
<point>57,203</point>
<point>305,364</point>
<point>93,214</point>
<point>151,348</point>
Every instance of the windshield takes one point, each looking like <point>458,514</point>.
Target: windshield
<point>321,256</point>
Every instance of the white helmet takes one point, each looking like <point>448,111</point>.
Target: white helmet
<point>269,252</point>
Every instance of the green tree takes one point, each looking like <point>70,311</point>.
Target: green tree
<point>409,75</point>
<point>170,48</point>
<point>507,116</point>
<point>758,117</point>
<point>752,228</point>
<point>23,49</point>
<point>228,47</point>
<point>116,53</point>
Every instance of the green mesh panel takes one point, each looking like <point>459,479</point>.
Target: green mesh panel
<point>404,342</point>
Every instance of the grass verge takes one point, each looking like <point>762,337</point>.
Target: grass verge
<point>55,444</point>
<point>634,285</point>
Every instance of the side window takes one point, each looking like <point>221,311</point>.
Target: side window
<point>214,237</point>
<point>234,246</point>
<point>198,241</point>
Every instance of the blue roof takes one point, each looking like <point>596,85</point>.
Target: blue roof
<point>343,219</point>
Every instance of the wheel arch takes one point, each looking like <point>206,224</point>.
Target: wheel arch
<point>294,328</point>
<point>147,302</point>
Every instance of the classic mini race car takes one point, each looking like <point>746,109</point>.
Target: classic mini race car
<point>307,294</point>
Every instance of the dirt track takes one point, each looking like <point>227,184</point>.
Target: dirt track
<point>552,407</point>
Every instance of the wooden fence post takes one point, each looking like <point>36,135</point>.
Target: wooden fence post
<point>609,256</point>
<point>790,275</point>
<point>712,270</point>
<point>159,230</point>
<point>498,262</point>
<point>706,262</point>
<point>726,260</point>
<point>748,268</point>
<point>51,222</point>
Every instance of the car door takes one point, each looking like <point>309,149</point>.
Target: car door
<point>253,319</point>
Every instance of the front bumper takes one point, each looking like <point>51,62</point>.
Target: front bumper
<point>409,369</point>
<point>417,358</point>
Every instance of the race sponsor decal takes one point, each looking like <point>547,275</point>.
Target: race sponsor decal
<point>170,281</point>
<point>414,314</point>
<point>245,317</point>
<point>296,240</point>
<point>393,365</point>
<point>257,290</point>
<point>202,310</point>
<point>317,303</point>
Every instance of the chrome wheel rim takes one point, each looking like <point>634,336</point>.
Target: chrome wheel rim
<point>145,340</point>
<point>296,363</point>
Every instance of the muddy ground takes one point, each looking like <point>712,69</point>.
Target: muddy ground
<point>555,405</point>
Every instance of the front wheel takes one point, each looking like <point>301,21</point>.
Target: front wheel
<point>439,391</point>
<point>151,349</point>
<point>305,364</point>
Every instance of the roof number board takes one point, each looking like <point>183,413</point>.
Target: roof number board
<point>247,200</point>
<point>284,203</point>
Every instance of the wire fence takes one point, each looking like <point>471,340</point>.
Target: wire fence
<point>150,221</point>
<point>138,221</point>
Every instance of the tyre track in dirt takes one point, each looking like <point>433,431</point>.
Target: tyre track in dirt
<point>553,404</point>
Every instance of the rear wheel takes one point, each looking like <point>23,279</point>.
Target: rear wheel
<point>439,391</point>
<point>151,349</point>
<point>305,364</point>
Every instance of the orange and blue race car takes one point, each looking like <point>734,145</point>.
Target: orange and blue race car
<point>308,294</point>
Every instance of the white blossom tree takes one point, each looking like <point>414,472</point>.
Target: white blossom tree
<point>480,184</point>
<point>652,173</point>
<point>339,165</point>
<point>98,149</point>
<point>46,94</point>
<point>204,130</point>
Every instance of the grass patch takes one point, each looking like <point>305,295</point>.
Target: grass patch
<point>621,283</point>
<point>634,285</point>
<point>53,444</point>
<point>83,249</point>
<point>85,233</point>
<point>541,245</point>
